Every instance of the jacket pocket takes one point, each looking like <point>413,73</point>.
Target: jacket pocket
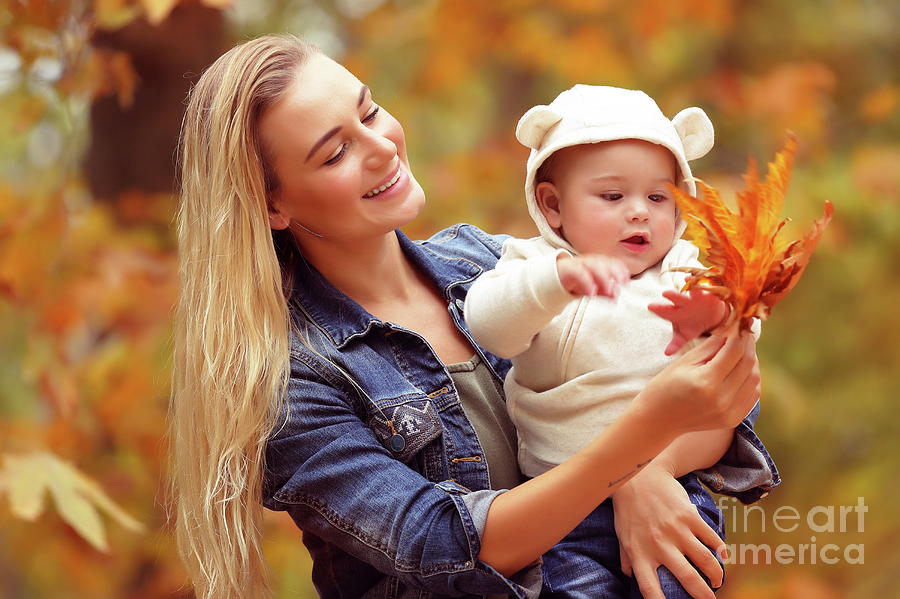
<point>406,428</point>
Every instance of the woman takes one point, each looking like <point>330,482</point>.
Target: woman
<point>322,366</point>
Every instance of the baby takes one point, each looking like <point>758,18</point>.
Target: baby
<point>571,307</point>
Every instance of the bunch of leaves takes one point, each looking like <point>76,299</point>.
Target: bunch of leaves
<point>85,295</point>
<point>752,267</point>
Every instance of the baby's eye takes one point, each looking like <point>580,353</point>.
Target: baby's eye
<point>657,197</point>
<point>611,196</point>
<point>371,116</point>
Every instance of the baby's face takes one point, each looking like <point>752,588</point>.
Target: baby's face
<point>614,200</point>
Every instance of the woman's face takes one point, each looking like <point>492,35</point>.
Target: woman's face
<point>339,158</point>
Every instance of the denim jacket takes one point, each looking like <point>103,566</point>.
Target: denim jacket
<point>374,458</point>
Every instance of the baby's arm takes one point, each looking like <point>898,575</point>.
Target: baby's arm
<point>507,306</point>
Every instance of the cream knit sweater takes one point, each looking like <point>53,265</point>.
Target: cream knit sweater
<point>577,361</point>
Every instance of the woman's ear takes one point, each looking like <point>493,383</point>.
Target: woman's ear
<point>277,220</point>
<point>548,197</point>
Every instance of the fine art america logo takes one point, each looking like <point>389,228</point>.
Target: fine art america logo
<point>827,520</point>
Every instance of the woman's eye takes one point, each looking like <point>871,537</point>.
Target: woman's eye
<point>371,116</point>
<point>337,157</point>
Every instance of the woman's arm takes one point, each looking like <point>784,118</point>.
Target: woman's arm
<point>338,482</point>
<point>713,385</point>
<point>694,451</point>
<point>657,524</point>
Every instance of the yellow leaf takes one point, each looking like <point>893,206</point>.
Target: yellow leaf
<point>158,10</point>
<point>113,14</point>
<point>24,487</point>
<point>79,500</point>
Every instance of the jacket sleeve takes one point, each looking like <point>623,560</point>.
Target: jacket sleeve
<point>507,306</point>
<point>746,470</point>
<point>329,471</point>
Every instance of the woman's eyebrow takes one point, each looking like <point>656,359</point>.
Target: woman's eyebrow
<point>321,141</point>
<point>330,134</point>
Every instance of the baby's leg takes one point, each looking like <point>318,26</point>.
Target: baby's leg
<point>711,514</point>
<point>585,564</point>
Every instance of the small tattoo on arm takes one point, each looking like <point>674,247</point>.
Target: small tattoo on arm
<point>613,483</point>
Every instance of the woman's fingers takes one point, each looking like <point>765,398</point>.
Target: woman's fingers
<point>706,535</point>
<point>624,560</point>
<point>704,559</point>
<point>729,355</point>
<point>648,578</point>
<point>648,581</point>
<point>741,387</point>
<point>706,350</point>
<point>691,580</point>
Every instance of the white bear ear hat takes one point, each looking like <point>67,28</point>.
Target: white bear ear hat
<point>588,114</point>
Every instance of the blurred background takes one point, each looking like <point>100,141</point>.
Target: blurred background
<point>91,98</point>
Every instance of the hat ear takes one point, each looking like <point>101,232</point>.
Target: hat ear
<point>535,124</point>
<point>696,132</point>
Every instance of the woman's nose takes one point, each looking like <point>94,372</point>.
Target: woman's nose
<point>381,150</point>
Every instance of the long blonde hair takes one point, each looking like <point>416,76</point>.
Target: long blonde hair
<point>231,322</point>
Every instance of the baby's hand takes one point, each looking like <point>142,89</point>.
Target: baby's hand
<point>591,274</point>
<point>691,315</point>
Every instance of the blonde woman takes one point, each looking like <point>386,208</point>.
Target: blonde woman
<point>323,368</point>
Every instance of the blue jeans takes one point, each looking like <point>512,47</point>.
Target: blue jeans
<point>585,564</point>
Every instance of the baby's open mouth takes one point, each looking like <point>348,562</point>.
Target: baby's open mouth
<point>636,239</point>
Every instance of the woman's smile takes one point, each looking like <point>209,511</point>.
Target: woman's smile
<point>390,184</point>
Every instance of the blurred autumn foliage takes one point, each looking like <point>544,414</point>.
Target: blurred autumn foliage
<point>91,95</point>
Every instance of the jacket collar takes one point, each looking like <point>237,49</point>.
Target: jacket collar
<point>341,318</point>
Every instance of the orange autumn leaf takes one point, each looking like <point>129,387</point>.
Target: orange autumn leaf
<point>751,267</point>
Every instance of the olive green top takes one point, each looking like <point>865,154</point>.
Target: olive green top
<point>482,401</point>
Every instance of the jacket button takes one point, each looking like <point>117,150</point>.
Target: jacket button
<point>397,443</point>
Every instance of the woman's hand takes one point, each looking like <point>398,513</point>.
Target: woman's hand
<point>714,385</point>
<point>658,525</point>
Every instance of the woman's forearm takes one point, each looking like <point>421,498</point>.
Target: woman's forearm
<point>711,386</point>
<point>695,451</point>
<point>528,520</point>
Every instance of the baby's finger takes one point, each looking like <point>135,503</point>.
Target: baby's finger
<point>676,297</point>
<point>675,344</point>
<point>666,311</point>
<point>580,282</point>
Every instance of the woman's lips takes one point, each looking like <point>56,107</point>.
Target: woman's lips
<point>385,186</point>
